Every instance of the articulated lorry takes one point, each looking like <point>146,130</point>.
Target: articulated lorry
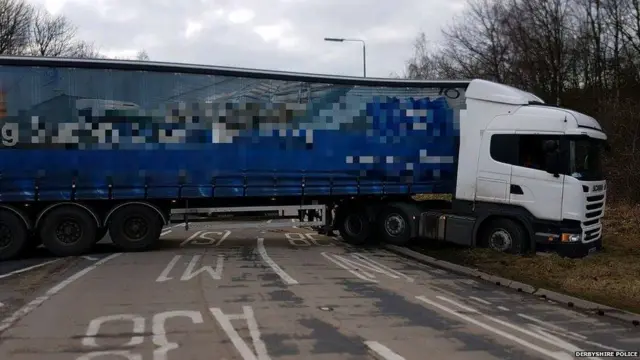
<point>90,147</point>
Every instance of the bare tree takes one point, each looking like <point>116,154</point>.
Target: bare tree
<point>85,50</point>
<point>51,35</point>
<point>15,22</point>
<point>142,55</point>
<point>583,54</point>
<point>423,64</point>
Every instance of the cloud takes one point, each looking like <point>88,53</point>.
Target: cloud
<point>273,34</point>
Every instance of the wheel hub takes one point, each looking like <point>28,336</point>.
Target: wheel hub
<point>500,240</point>
<point>136,228</point>
<point>5,236</point>
<point>354,225</point>
<point>68,232</point>
<point>394,225</point>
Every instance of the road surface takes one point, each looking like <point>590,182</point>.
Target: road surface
<point>277,294</point>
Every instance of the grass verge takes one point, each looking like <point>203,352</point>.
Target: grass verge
<point>610,277</point>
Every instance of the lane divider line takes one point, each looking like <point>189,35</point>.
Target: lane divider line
<point>33,304</point>
<point>558,355</point>
<point>483,301</point>
<point>383,351</point>
<point>15,272</point>
<point>277,269</point>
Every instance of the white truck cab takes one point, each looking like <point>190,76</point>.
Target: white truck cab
<point>539,163</point>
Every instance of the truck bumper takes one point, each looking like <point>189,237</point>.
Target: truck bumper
<point>578,249</point>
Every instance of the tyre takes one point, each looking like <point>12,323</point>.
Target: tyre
<point>394,225</point>
<point>506,235</point>
<point>135,228</point>
<point>14,237</point>
<point>354,226</point>
<point>68,231</point>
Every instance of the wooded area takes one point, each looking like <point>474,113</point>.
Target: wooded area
<point>580,54</point>
<point>26,29</point>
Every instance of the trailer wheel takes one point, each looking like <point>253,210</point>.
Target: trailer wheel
<point>505,235</point>
<point>14,236</point>
<point>354,226</point>
<point>68,231</point>
<point>394,225</point>
<point>135,228</point>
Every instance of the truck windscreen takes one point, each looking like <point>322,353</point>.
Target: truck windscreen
<point>585,159</point>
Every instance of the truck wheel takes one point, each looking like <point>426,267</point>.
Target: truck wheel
<point>506,235</point>
<point>68,231</point>
<point>135,228</point>
<point>394,225</point>
<point>354,226</point>
<point>14,236</point>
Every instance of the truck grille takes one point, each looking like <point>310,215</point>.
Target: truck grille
<point>592,226</point>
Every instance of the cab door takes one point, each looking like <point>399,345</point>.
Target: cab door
<point>531,186</point>
<point>494,168</point>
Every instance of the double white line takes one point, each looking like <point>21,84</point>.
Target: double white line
<point>540,335</point>
<point>167,230</point>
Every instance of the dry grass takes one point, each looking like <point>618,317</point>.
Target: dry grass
<point>611,277</point>
<point>424,197</point>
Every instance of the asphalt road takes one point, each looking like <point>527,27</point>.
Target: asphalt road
<point>277,294</point>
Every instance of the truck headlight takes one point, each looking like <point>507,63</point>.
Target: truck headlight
<point>571,237</point>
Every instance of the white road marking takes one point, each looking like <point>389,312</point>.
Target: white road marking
<point>480,300</point>
<point>160,332</point>
<point>299,239</point>
<point>269,221</point>
<point>503,308</point>
<point>164,275</point>
<point>364,267</point>
<point>211,241</point>
<point>385,269</point>
<point>236,339</point>
<point>126,354</point>
<point>265,257</point>
<point>137,337</point>
<point>8,322</point>
<point>90,258</point>
<point>254,331</point>
<point>165,232</point>
<point>189,272</point>
<point>294,220</point>
<point>191,238</point>
<point>173,227</point>
<point>383,351</point>
<point>545,323</point>
<point>562,331</point>
<point>573,336</point>
<point>558,355</point>
<point>553,340</point>
<point>1,304</point>
<point>93,329</point>
<point>27,269</point>
<point>359,273</point>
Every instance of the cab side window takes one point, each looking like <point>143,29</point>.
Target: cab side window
<point>520,150</point>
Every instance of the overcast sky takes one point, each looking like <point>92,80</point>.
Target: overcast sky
<point>266,34</point>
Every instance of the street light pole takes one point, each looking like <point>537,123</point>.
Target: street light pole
<point>364,51</point>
